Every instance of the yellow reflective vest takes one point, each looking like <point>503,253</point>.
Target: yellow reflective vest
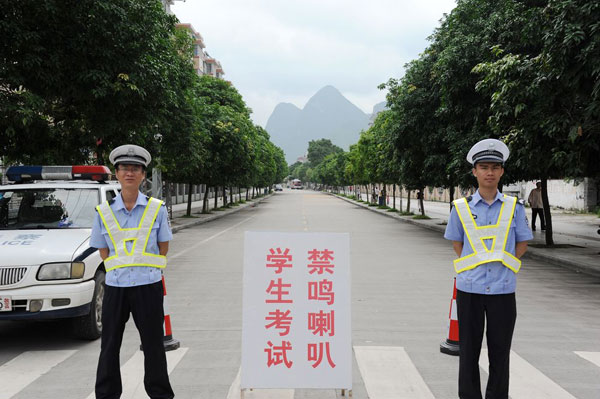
<point>476,235</point>
<point>120,236</point>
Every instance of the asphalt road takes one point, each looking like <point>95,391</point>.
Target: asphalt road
<point>401,290</point>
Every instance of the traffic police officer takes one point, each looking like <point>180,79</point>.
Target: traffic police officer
<point>489,232</point>
<point>132,234</point>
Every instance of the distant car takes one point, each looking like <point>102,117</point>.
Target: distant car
<point>278,187</point>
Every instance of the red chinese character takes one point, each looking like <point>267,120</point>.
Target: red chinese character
<point>278,354</point>
<point>322,323</point>
<point>321,291</point>
<point>315,354</point>
<point>279,259</point>
<point>320,261</point>
<point>276,288</point>
<point>280,320</point>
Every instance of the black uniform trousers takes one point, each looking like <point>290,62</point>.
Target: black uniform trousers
<point>145,303</point>
<point>500,312</point>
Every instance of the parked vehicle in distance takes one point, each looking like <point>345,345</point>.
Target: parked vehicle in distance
<point>278,187</point>
<point>296,184</point>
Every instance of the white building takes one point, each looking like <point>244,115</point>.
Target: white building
<point>204,64</point>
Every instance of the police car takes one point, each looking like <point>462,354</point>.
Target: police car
<point>47,268</point>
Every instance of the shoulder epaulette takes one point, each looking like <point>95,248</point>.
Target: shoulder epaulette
<point>521,201</point>
<point>468,199</point>
<point>110,202</point>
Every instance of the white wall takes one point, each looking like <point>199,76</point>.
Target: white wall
<point>565,194</point>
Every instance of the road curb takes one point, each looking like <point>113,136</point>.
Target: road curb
<point>218,215</point>
<point>532,253</point>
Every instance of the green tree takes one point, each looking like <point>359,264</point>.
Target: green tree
<point>319,149</point>
<point>78,78</point>
<point>545,98</point>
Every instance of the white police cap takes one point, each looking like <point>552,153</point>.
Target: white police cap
<point>488,150</point>
<point>130,154</point>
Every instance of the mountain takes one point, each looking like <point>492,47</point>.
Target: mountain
<point>377,108</point>
<point>327,114</point>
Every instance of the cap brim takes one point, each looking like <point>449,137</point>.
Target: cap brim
<point>127,160</point>
<point>488,159</point>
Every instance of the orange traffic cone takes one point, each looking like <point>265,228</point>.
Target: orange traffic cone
<point>450,345</point>
<point>169,342</point>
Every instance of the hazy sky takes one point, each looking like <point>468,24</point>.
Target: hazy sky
<point>286,50</point>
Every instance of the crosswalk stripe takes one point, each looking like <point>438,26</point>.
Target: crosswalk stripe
<point>235,391</point>
<point>388,373</point>
<point>593,357</point>
<point>28,367</point>
<point>132,373</point>
<point>526,381</point>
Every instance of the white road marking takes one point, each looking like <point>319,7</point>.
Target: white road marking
<point>208,239</point>
<point>28,367</point>
<point>235,391</point>
<point>593,357</point>
<point>132,373</point>
<point>389,373</point>
<point>526,381</point>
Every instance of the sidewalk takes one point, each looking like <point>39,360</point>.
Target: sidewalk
<point>577,245</point>
<point>180,221</point>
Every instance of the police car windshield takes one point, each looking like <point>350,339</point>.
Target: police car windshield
<point>47,208</point>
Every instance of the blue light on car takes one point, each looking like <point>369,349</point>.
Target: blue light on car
<point>21,173</point>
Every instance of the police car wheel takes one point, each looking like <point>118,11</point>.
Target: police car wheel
<point>90,326</point>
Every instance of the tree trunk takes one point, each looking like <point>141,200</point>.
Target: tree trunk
<point>400,192</point>
<point>451,196</point>
<point>231,195</point>
<point>384,194</point>
<point>247,192</point>
<point>547,214</point>
<point>216,199</point>
<point>189,201</point>
<point>205,200</point>
<point>169,198</point>
<point>421,205</point>
<point>394,197</point>
<point>252,192</point>
<point>408,202</point>
<point>240,193</point>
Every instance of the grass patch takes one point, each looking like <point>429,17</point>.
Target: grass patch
<point>404,213</point>
<point>373,205</point>
<point>242,202</point>
<point>219,209</point>
<point>235,204</point>
<point>421,217</point>
<point>383,207</point>
<point>393,210</point>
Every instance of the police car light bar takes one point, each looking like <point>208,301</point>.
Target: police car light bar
<point>20,174</point>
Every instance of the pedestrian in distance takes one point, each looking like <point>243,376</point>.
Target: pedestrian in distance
<point>132,234</point>
<point>537,207</point>
<point>489,233</point>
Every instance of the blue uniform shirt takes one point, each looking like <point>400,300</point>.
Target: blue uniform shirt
<point>161,232</point>
<point>493,277</point>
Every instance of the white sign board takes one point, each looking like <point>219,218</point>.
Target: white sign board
<point>296,311</point>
